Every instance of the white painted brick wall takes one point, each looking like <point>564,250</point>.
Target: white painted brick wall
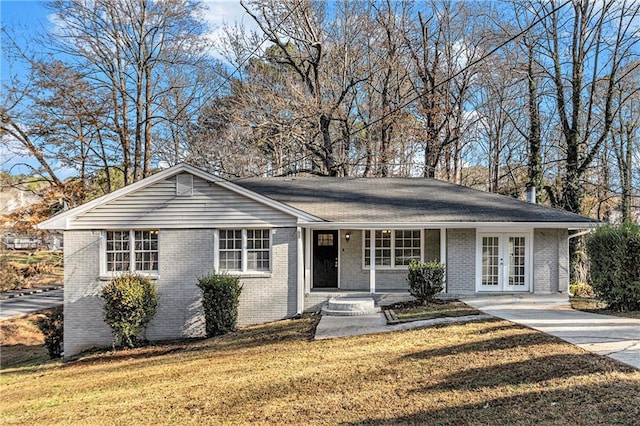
<point>461,261</point>
<point>550,260</point>
<point>184,255</point>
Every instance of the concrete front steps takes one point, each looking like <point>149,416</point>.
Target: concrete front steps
<point>316,300</point>
<point>350,306</point>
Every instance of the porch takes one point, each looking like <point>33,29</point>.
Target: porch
<point>367,260</point>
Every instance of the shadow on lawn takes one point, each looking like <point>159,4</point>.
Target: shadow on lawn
<point>531,371</point>
<point>530,338</point>
<point>14,356</point>
<point>600,403</point>
<point>244,338</point>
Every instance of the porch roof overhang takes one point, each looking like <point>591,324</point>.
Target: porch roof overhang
<point>572,226</point>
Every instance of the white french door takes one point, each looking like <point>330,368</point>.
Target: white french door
<point>503,261</point>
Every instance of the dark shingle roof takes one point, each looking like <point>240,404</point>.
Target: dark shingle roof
<point>401,200</point>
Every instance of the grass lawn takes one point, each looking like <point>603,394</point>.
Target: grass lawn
<point>596,306</point>
<point>21,342</point>
<point>490,372</point>
<point>413,311</point>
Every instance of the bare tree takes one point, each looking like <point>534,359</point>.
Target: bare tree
<point>132,50</point>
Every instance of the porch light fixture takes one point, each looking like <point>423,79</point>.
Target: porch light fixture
<point>347,236</point>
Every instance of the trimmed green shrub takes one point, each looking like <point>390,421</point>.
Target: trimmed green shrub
<point>426,280</point>
<point>130,303</point>
<point>220,299</point>
<point>614,265</point>
<point>581,289</point>
<point>52,326</point>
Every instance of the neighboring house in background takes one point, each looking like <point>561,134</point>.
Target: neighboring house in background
<point>297,241</point>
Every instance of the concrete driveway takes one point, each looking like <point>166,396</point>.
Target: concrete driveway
<point>30,303</point>
<point>615,337</point>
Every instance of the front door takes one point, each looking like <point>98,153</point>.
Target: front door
<point>503,264</point>
<point>325,259</point>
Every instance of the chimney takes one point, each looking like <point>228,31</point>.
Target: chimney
<point>531,194</point>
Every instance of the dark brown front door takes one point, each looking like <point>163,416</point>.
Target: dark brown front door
<point>325,259</point>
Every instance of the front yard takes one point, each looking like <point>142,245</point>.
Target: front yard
<point>488,372</point>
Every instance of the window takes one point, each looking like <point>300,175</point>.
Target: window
<point>407,246</point>
<point>258,247</point>
<point>244,250</point>
<point>123,246</point>
<point>325,240</point>
<point>231,250</point>
<point>393,248</point>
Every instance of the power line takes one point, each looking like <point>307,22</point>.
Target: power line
<point>227,78</point>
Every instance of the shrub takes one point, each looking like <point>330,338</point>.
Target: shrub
<point>581,289</point>
<point>52,326</point>
<point>614,258</point>
<point>220,299</point>
<point>10,277</point>
<point>130,303</point>
<point>426,280</point>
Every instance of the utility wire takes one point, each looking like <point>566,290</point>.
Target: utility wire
<point>227,78</point>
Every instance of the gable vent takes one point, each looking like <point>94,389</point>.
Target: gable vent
<point>184,185</point>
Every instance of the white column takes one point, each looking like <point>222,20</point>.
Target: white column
<point>243,258</point>
<point>372,263</point>
<point>443,245</point>
<point>216,250</point>
<point>300,270</point>
<point>307,260</point>
<point>443,254</point>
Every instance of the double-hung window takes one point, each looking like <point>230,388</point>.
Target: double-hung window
<point>131,251</point>
<point>393,248</point>
<point>244,250</point>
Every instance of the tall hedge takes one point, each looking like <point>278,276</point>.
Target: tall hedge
<point>426,280</point>
<point>614,265</point>
<point>130,303</point>
<point>220,300</point>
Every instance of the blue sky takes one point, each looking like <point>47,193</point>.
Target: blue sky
<point>23,17</point>
<point>26,18</point>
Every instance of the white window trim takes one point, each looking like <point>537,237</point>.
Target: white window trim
<point>105,274</point>
<point>393,265</point>
<point>244,254</point>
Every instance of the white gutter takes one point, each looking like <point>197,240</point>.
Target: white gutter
<point>449,225</point>
<point>579,234</point>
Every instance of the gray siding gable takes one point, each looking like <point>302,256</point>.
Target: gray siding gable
<point>161,206</point>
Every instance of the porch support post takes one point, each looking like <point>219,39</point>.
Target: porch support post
<point>443,255</point>
<point>216,250</point>
<point>300,270</point>
<point>307,260</point>
<point>372,263</point>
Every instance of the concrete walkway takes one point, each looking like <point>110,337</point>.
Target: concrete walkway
<point>615,337</point>
<point>341,326</point>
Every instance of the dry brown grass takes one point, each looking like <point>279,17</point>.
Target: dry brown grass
<point>413,311</point>
<point>596,306</point>
<point>21,342</point>
<point>491,372</point>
